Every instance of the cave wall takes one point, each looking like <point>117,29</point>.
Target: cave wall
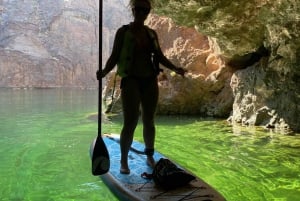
<point>266,92</point>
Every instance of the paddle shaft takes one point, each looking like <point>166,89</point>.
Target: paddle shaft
<point>100,68</point>
<point>100,157</point>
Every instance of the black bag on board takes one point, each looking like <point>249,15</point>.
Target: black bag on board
<point>168,176</point>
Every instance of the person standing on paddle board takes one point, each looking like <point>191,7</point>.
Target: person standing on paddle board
<point>137,54</point>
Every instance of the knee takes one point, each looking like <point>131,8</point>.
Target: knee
<point>129,126</point>
<point>149,126</point>
<point>148,120</point>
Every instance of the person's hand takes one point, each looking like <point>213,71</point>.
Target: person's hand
<point>98,75</point>
<point>180,71</point>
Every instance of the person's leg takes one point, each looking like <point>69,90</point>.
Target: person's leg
<point>149,99</point>
<point>130,102</point>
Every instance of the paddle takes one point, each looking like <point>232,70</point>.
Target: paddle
<point>100,157</point>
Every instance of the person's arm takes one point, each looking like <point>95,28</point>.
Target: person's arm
<point>166,62</point>
<point>113,58</point>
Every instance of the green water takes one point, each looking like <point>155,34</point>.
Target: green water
<point>45,137</point>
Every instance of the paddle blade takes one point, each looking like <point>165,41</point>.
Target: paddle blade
<point>100,157</point>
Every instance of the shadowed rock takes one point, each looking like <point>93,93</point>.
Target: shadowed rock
<point>240,62</point>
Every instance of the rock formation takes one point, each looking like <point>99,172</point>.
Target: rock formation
<point>205,89</point>
<point>49,43</point>
<point>267,91</point>
<point>53,43</point>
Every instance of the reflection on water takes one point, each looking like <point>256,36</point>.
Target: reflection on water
<point>45,137</point>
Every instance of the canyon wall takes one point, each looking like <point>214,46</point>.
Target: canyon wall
<point>55,43</point>
<point>48,43</point>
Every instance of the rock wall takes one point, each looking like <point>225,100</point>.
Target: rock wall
<point>265,87</point>
<point>54,43</point>
<point>205,89</point>
<point>48,43</point>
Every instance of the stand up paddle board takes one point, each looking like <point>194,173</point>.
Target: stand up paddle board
<point>133,187</point>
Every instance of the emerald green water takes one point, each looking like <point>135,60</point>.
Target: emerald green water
<point>45,137</point>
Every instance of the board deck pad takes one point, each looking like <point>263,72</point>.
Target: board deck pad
<point>133,187</point>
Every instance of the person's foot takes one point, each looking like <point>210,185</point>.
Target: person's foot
<point>151,161</point>
<point>124,169</point>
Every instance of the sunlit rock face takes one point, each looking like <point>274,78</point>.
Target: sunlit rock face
<point>266,92</point>
<point>205,89</point>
